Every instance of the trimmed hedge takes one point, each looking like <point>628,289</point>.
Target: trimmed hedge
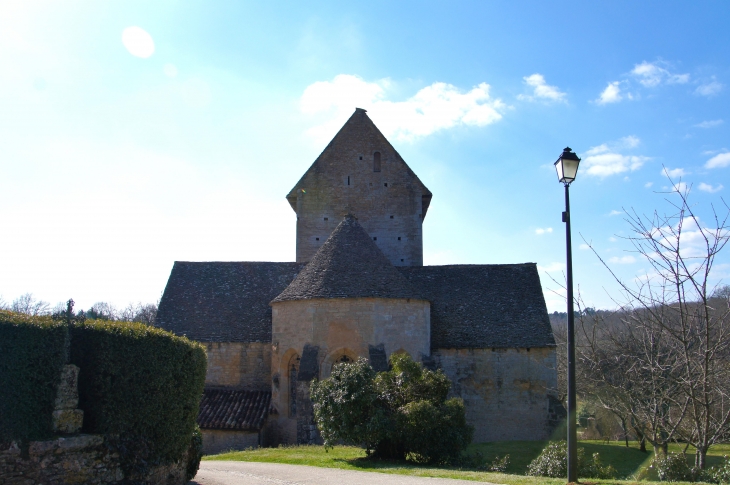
<point>32,352</point>
<point>141,383</point>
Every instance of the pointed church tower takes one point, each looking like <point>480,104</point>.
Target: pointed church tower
<point>360,173</point>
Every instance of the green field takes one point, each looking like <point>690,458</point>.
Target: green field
<point>628,461</point>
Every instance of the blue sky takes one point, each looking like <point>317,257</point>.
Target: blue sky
<point>117,160</point>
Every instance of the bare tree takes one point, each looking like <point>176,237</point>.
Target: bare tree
<point>140,312</point>
<point>627,367</point>
<point>102,311</point>
<point>29,305</point>
<point>683,337</point>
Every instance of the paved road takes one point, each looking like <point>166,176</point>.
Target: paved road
<point>243,472</point>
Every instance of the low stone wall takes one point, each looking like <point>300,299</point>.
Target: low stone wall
<point>82,459</point>
<point>78,459</point>
<point>221,440</point>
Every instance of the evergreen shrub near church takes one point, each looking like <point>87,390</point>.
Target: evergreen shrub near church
<point>141,383</point>
<point>32,353</point>
<point>401,413</point>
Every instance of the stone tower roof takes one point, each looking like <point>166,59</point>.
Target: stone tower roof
<point>348,265</point>
<point>359,130</point>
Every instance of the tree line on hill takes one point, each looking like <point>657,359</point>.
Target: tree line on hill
<point>660,363</point>
<point>133,312</point>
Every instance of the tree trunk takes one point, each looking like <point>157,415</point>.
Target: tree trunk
<point>701,457</point>
<point>642,444</point>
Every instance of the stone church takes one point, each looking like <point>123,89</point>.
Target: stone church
<point>359,288</point>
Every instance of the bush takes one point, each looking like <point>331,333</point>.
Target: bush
<point>141,383</point>
<point>395,414</point>
<point>674,468</point>
<point>718,474</point>
<point>553,462</point>
<point>195,453</point>
<point>33,350</point>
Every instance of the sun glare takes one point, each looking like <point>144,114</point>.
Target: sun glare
<point>138,42</point>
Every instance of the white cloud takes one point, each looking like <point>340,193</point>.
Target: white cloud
<point>584,247</point>
<point>709,188</point>
<point>612,93</point>
<point>652,74</point>
<point>615,213</point>
<point>709,124</point>
<point>138,42</point>
<point>436,107</point>
<point>552,267</point>
<point>622,260</point>
<point>540,230</point>
<point>604,160</point>
<point>630,141</point>
<point>718,161</point>
<point>541,90</point>
<point>648,184</point>
<point>612,239</point>
<point>709,89</point>
<point>674,173</point>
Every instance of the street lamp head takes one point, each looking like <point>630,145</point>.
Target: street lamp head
<point>567,166</point>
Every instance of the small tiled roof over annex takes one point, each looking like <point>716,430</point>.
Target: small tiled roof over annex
<point>223,301</point>
<point>233,410</point>
<point>483,306</point>
<point>349,265</point>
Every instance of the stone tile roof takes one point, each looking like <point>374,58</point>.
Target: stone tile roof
<point>358,127</point>
<point>223,301</point>
<point>485,305</point>
<point>472,306</point>
<point>348,265</point>
<point>234,410</point>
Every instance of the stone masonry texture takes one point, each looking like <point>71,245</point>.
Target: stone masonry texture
<point>506,392</point>
<point>390,203</point>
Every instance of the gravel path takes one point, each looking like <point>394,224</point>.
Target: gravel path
<point>243,472</point>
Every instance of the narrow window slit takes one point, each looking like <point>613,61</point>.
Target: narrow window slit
<point>376,162</point>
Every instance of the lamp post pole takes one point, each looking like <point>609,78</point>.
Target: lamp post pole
<point>567,168</point>
<point>572,437</point>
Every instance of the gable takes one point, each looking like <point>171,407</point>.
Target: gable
<point>352,153</point>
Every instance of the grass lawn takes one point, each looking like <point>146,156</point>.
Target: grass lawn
<point>627,461</point>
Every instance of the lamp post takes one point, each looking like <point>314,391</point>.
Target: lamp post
<point>567,168</point>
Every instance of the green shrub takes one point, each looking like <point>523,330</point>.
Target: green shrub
<point>395,414</point>
<point>718,474</point>
<point>553,462</point>
<point>33,350</point>
<point>195,454</point>
<point>674,468</point>
<point>141,383</point>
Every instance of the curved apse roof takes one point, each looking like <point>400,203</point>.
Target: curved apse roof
<point>349,265</point>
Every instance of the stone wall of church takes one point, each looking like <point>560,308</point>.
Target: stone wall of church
<point>340,327</point>
<point>508,393</point>
<point>239,365</point>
